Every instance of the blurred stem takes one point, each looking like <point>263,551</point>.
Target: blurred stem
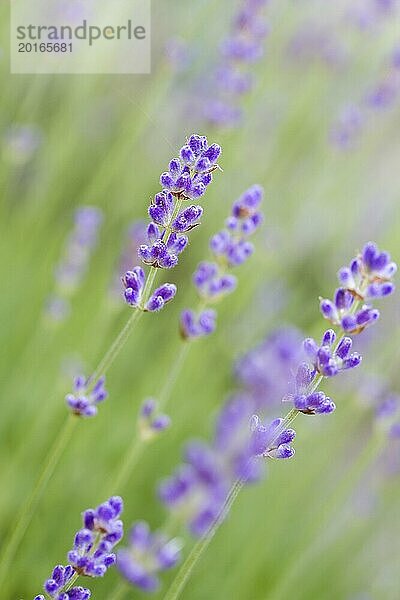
<point>184,573</point>
<point>28,509</point>
<point>127,464</point>
<point>308,555</point>
<point>115,347</point>
<point>169,383</point>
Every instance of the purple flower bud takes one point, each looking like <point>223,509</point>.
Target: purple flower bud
<point>160,297</point>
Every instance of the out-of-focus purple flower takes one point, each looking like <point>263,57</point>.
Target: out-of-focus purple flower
<point>211,283</point>
<point>147,555</point>
<point>347,127</point>
<point>192,326</point>
<point>55,586</point>
<point>178,54</point>
<point>388,414</point>
<point>20,142</point>
<point>74,263</point>
<point>80,244</point>
<point>197,490</point>
<point>266,370</point>
<point>85,397</point>
<point>102,530</point>
<point>244,46</point>
<point>314,43</point>
<point>151,423</point>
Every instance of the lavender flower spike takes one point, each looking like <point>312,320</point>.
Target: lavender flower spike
<point>268,441</point>
<point>187,178</point>
<point>55,585</point>
<point>147,556</point>
<point>83,402</point>
<point>231,248</point>
<point>91,554</point>
<point>367,278</point>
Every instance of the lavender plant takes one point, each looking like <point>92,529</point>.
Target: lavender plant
<point>231,247</point>
<point>187,178</point>
<point>380,98</point>
<point>74,263</point>
<point>91,555</point>
<point>372,272</point>
<point>242,48</point>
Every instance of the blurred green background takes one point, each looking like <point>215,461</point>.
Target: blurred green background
<point>103,141</point>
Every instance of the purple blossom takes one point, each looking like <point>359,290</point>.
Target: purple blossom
<point>187,178</point>
<point>136,235</point>
<point>192,326</point>
<point>75,259</point>
<point>55,585</point>
<point>148,555</point>
<point>271,440</point>
<point>102,530</point>
<point>328,360</point>
<point>265,371</point>
<point>85,398</point>
<point>198,488</point>
<point>230,248</point>
<point>160,297</point>
<point>368,278</point>
<point>151,423</point>
<point>231,80</point>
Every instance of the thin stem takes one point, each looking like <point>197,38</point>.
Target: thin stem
<point>169,384</point>
<point>115,347</point>
<point>184,573</point>
<point>128,462</point>
<point>28,509</point>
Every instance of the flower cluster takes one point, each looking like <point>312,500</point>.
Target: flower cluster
<point>150,422</point>
<point>74,263</point>
<point>85,398</point>
<point>187,178</point>
<point>243,47</point>
<point>328,360</point>
<point>55,586</point>
<point>230,247</point>
<point>91,555</point>
<point>134,282</point>
<point>102,530</point>
<point>368,277</point>
<point>383,96</point>
<point>147,555</point>
<point>197,491</point>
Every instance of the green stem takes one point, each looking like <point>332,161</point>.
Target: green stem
<point>128,462</point>
<point>184,573</point>
<point>115,347</point>
<point>28,509</point>
<point>169,384</point>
